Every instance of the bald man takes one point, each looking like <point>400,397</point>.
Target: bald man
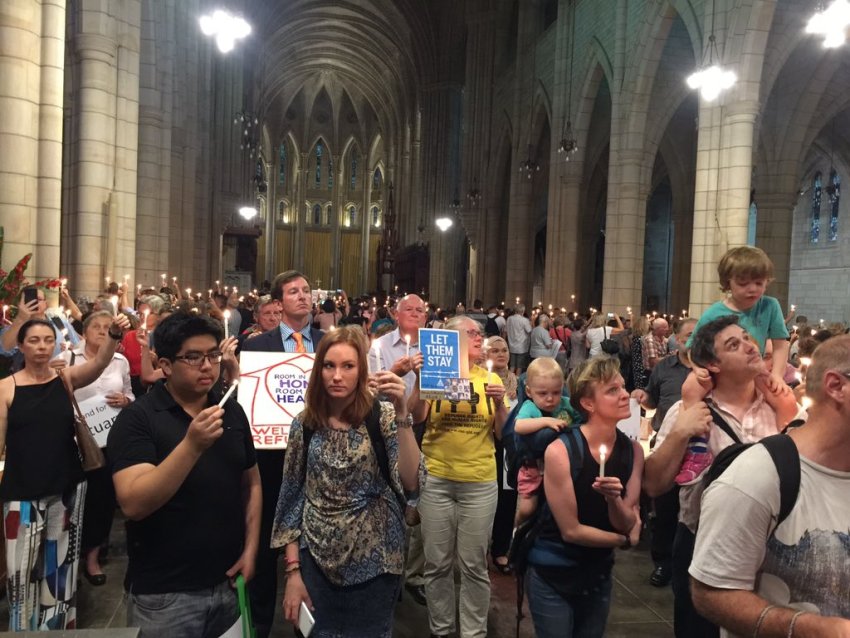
<point>655,344</point>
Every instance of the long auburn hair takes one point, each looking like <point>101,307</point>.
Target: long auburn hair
<point>316,413</point>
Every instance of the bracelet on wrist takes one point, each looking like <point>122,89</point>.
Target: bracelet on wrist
<point>117,337</point>
<point>292,561</point>
<point>405,422</point>
<point>292,570</point>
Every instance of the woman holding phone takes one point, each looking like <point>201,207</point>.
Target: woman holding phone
<point>349,463</point>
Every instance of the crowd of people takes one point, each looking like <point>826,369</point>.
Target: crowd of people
<point>382,490</point>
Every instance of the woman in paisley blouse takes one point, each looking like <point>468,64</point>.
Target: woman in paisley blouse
<point>339,520</point>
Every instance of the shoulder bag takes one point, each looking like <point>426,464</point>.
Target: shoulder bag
<point>91,456</point>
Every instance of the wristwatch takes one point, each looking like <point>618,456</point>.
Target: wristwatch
<point>117,337</point>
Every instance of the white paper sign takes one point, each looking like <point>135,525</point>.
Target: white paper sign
<point>271,391</point>
<point>631,426</point>
<point>99,417</point>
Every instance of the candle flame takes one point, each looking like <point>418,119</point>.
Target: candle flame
<point>603,451</point>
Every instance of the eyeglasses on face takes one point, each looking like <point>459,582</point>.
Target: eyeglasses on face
<point>196,359</point>
<point>472,333</point>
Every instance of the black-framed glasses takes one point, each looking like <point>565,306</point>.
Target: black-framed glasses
<point>196,359</point>
<point>472,333</point>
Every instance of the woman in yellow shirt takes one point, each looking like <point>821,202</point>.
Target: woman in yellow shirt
<point>458,501</point>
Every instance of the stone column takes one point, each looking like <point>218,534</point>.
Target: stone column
<point>365,250</point>
<point>773,235</point>
<point>562,236</point>
<point>32,63</point>
<point>722,193</point>
<point>300,199</point>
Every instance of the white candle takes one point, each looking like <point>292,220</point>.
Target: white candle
<point>228,393</point>
<point>126,278</point>
<point>377,351</point>
<point>145,315</point>
<point>407,341</point>
<point>188,292</point>
<point>793,307</point>
<point>806,403</point>
<point>163,275</point>
<point>5,308</point>
<point>603,451</point>
<point>489,371</point>
<point>114,301</point>
<point>226,324</point>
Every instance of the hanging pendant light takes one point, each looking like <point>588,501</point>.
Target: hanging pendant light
<point>569,145</point>
<point>712,79</point>
<point>831,23</point>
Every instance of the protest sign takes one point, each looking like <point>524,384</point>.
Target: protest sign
<point>272,386</point>
<point>99,417</point>
<point>441,359</point>
<point>631,425</point>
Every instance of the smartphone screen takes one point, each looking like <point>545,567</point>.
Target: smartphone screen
<point>30,294</point>
<point>305,620</point>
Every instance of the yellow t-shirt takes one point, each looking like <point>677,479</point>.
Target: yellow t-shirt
<point>458,442</point>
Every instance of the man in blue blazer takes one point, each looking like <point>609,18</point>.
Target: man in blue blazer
<point>294,334</point>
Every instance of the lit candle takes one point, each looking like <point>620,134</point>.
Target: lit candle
<point>209,293</point>
<point>5,308</point>
<point>407,341</point>
<point>793,307</point>
<point>174,279</point>
<point>517,299</point>
<point>138,288</point>
<point>145,315</point>
<point>64,283</point>
<point>628,310</point>
<point>216,283</point>
<point>806,361</point>
<point>126,278</point>
<point>188,292</point>
<point>603,451</point>
<point>164,276</point>
<point>114,301</point>
<point>489,371</point>
<point>198,295</point>
<point>806,403</point>
<point>228,393</point>
<point>226,324</point>
<point>377,351</point>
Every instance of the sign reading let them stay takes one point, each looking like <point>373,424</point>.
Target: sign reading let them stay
<point>272,386</point>
<point>440,361</point>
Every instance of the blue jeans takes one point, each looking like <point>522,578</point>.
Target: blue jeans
<point>579,616</point>
<point>205,613</point>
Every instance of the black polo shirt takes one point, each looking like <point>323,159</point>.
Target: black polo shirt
<point>665,386</point>
<point>192,540</point>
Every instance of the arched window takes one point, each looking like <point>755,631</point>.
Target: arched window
<point>377,180</point>
<point>319,164</point>
<point>353,170</point>
<point>834,191</point>
<point>281,208</point>
<point>327,219</point>
<point>817,192</point>
<point>317,215</point>
<point>376,216</point>
<point>281,176</point>
<point>351,218</point>
<point>330,172</point>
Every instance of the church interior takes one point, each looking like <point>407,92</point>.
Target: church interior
<point>547,150</point>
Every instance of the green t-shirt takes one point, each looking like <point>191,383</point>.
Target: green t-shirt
<point>763,321</point>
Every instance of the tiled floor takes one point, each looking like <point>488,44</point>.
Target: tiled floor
<point>638,610</point>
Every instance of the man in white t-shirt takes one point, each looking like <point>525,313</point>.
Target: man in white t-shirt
<point>754,578</point>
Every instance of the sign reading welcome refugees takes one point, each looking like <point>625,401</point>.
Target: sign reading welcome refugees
<point>272,386</point>
<point>440,361</point>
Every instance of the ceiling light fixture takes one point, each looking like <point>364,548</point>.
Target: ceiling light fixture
<point>225,27</point>
<point>712,79</point>
<point>831,23</point>
<point>444,223</point>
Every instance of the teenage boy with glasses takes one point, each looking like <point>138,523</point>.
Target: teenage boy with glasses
<point>185,475</point>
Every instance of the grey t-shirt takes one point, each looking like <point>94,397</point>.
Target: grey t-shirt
<point>805,564</point>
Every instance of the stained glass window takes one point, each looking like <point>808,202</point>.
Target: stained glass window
<point>281,176</point>
<point>330,172</point>
<point>377,180</point>
<point>317,215</point>
<point>376,216</point>
<point>353,171</point>
<point>352,216</point>
<point>834,190</point>
<point>817,192</point>
<point>318,164</point>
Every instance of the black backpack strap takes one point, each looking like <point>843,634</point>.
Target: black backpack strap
<point>373,427</point>
<point>572,440</point>
<point>720,422</point>
<point>73,358</point>
<point>786,457</point>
